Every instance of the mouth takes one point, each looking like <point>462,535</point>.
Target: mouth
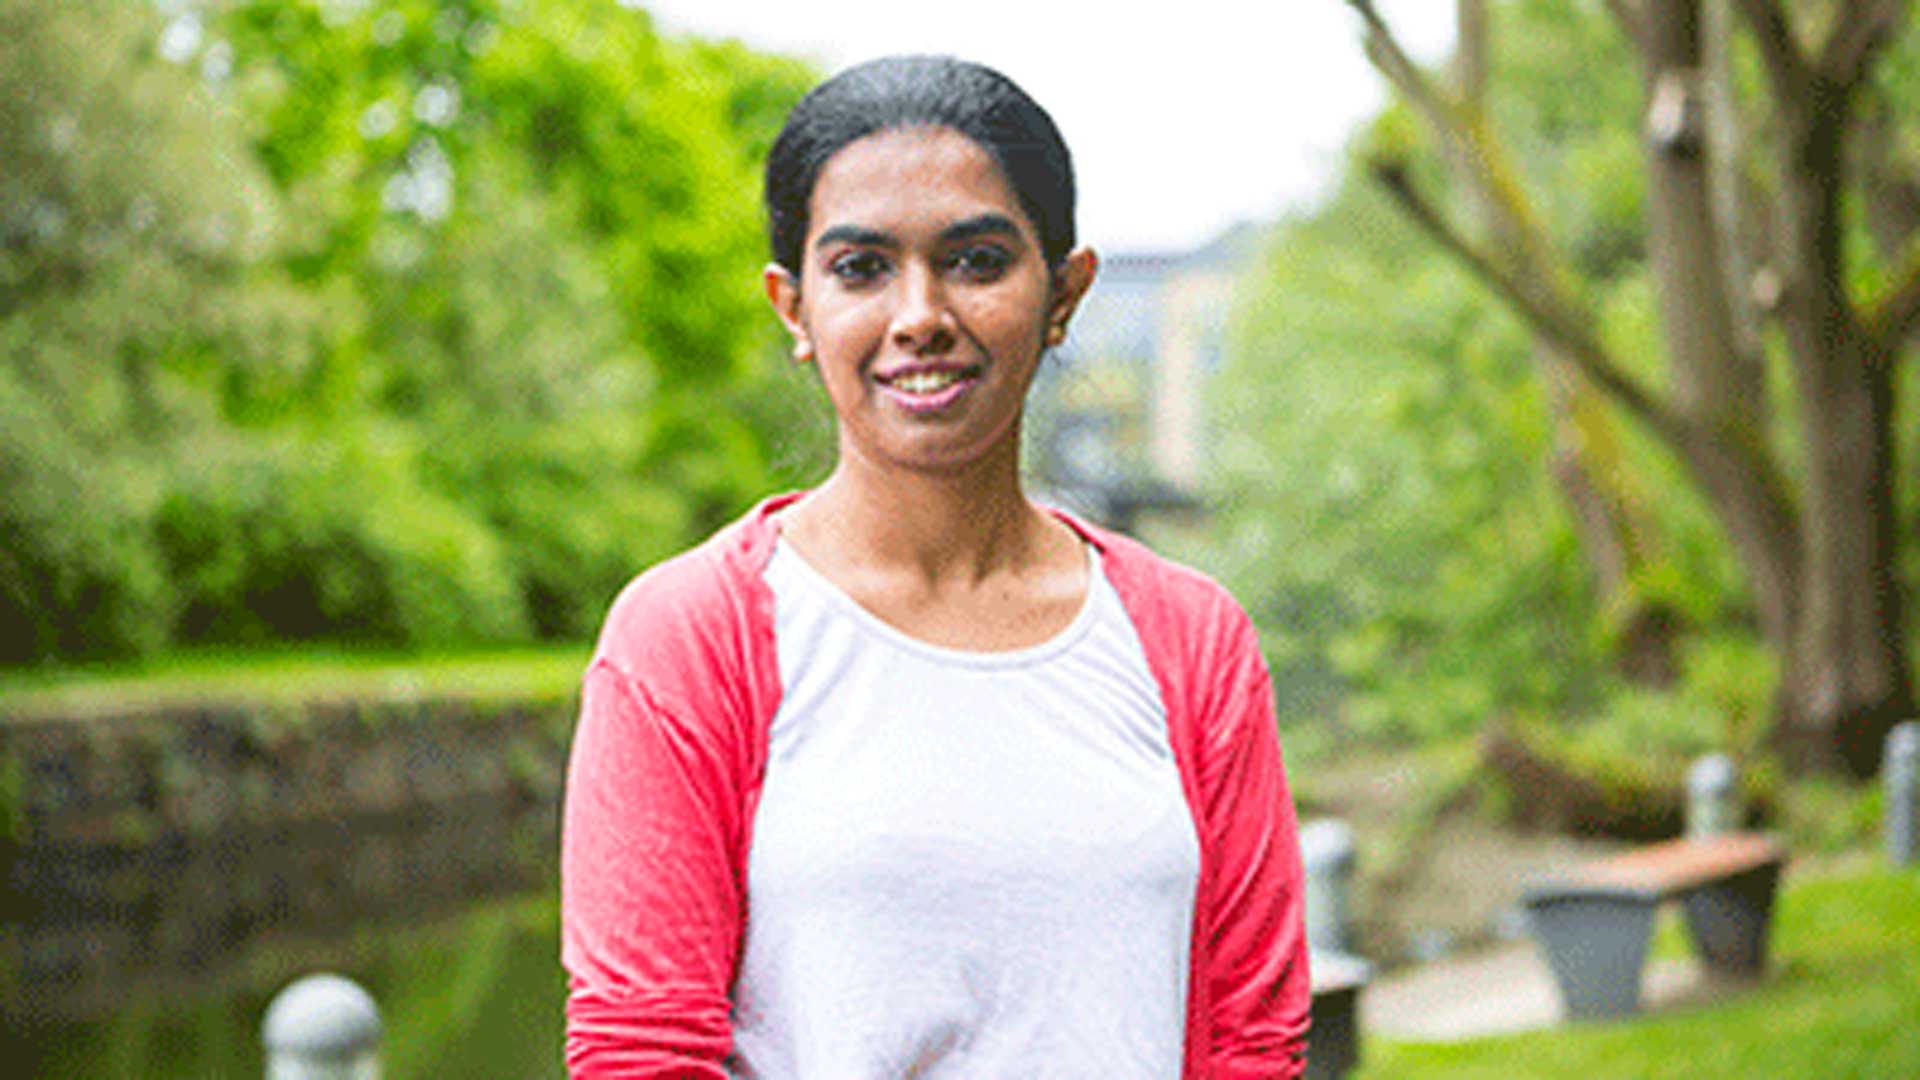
<point>929,389</point>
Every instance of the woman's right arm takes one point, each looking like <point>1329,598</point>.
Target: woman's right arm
<point>651,904</point>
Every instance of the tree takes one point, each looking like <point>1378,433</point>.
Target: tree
<point>135,315</point>
<point>408,322</point>
<point>1809,511</point>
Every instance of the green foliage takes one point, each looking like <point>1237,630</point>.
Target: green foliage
<point>463,332</point>
<point>303,538</point>
<point>1824,815</point>
<point>1382,512</point>
<point>128,331</point>
<point>1582,780</point>
<point>1565,97</point>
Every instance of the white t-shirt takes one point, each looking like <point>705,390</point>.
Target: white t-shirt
<point>963,864</point>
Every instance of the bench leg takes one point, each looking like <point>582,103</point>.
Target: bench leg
<point>1729,921</point>
<point>1596,946</point>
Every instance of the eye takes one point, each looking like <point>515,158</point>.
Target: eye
<point>858,267</point>
<point>985,262</point>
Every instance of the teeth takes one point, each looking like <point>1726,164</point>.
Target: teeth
<point>926,382</point>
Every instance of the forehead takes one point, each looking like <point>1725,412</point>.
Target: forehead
<point>906,176</point>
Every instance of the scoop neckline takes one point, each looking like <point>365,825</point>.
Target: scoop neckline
<point>874,625</point>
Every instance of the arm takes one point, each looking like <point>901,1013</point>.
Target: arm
<point>1259,996</point>
<point>651,906</point>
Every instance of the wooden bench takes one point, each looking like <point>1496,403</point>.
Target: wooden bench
<point>1333,1040</point>
<point>1594,925</point>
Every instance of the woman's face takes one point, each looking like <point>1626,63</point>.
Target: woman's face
<point>925,299</point>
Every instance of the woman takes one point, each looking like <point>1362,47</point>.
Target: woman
<point>904,775</point>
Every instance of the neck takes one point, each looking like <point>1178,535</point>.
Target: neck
<point>962,524</point>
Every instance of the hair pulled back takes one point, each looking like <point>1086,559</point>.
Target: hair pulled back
<point>897,92</point>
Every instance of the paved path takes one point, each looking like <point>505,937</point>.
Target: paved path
<point>1504,989</point>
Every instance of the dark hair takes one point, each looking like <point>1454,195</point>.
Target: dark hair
<point>921,91</point>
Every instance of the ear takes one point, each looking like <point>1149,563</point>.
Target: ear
<point>783,292</point>
<point>1071,280</point>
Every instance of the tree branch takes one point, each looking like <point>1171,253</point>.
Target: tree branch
<point>1477,157</point>
<point>1860,30</point>
<point>1779,46</point>
<point>1578,346</point>
<point>1889,175</point>
<point>1631,23</point>
<point>1392,60</point>
<point>1893,316</point>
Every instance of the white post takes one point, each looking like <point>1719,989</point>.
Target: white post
<point>1712,799</point>
<point>1900,774</point>
<point>1326,851</point>
<point>322,1027</point>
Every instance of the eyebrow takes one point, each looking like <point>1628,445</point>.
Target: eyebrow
<point>988,224</point>
<point>856,235</point>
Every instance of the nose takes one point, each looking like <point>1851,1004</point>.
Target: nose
<point>922,321</point>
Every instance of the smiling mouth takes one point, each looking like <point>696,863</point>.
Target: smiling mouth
<point>930,390</point>
<point>930,381</point>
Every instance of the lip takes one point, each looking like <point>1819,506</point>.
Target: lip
<point>969,377</point>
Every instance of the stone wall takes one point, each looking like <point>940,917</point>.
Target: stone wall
<point>159,845</point>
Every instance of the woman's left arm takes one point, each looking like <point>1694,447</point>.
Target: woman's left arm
<point>1259,995</point>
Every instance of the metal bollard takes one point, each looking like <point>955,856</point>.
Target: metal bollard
<point>1712,797</point>
<point>1901,776</point>
<point>322,1027</point>
<point>1326,850</point>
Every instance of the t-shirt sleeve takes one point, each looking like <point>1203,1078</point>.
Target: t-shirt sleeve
<point>651,905</point>
<point>1259,993</point>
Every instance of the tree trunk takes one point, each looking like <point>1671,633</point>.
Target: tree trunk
<point>1823,580</point>
<point>1846,682</point>
<point>1846,679</point>
<point>1718,384</point>
<point>1734,216</point>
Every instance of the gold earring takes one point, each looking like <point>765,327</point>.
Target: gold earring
<point>1056,334</point>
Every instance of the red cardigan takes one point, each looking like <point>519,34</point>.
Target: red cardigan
<point>665,776</point>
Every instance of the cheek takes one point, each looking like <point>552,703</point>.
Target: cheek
<point>848,327</point>
<point>1020,320</point>
<point>1007,313</point>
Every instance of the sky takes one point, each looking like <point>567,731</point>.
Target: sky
<point>1183,118</point>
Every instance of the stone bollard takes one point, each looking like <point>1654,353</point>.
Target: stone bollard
<point>1713,804</point>
<point>1900,775</point>
<point>322,1027</point>
<point>1326,850</point>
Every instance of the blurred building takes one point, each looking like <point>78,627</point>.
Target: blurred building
<point>1119,418</point>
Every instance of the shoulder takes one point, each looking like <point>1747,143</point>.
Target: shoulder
<point>698,617</point>
<point>1169,600</point>
<point>695,587</point>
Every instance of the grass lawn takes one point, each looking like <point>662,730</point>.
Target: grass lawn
<point>292,675</point>
<point>1842,1000</point>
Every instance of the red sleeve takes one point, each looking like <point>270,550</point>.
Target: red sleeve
<point>651,906</point>
<point>1252,916</point>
